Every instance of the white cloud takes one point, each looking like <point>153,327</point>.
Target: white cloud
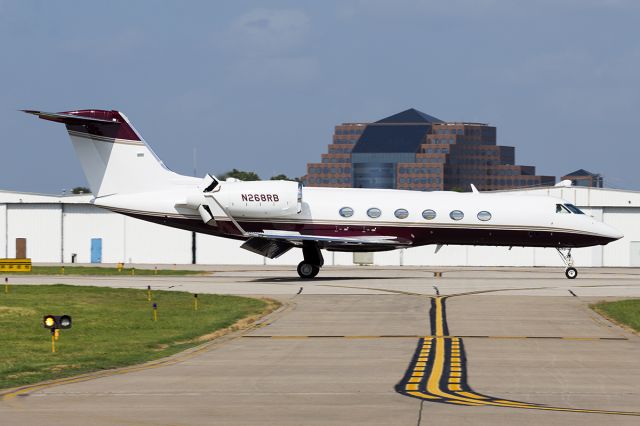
<point>265,32</point>
<point>270,46</point>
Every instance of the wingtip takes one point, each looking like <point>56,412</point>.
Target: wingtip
<point>30,111</point>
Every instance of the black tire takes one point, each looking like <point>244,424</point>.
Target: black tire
<point>307,270</point>
<point>571,273</point>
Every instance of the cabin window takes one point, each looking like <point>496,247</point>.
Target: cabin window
<point>429,214</point>
<point>574,209</point>
<point>562,209</point>
<point>346,212</point>
<point>484,215</point>
<point>456,215</point>
<point>374,212</point>
<point>401,213</point>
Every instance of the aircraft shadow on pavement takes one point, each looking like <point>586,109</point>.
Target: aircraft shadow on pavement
<point>316,280</point>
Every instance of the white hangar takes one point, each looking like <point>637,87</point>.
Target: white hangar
<point>50,228</point>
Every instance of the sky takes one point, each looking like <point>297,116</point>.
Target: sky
<point>259,85</point>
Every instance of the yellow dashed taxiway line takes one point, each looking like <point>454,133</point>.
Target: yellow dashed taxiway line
<point>437,372</point>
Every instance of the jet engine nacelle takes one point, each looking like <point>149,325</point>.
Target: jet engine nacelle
<point>269,198</point>
<point>260,199</point>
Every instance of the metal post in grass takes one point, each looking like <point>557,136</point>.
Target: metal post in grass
<point>155,312</point>
<point>195,302</point>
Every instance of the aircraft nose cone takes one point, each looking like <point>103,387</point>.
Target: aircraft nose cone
<point>611,232</point>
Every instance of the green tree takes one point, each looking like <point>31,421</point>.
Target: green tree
<point>282,176</point>
<point>81,190</point>
<point>240,175</point>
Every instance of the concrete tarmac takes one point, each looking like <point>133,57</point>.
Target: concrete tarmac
<point>387,346</point>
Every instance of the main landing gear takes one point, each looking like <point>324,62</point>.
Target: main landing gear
<point>312,262</point>
<point>570,271</point>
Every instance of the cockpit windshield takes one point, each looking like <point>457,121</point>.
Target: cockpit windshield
<point>574,209</point>
<point>562,209</point>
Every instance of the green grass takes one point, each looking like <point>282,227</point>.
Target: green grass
<point>97,270</point>
<point>111,328</point>
<point>626,312</point>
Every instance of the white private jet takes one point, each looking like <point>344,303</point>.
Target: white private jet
<point>272,217</point>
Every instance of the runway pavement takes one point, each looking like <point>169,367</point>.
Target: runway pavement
<point>380,346</point>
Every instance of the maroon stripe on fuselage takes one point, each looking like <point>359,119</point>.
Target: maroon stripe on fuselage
<point>419,236</point>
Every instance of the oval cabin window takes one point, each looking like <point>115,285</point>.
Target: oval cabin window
<point>484,216</point>
<point>429,214</point>
<point>456,215</point>
<point>374,212</point>
<point>401,213</point>
<point>346,212</point>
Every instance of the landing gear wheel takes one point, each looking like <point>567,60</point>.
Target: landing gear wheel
<point>571,272</point>
<point>307,270</point>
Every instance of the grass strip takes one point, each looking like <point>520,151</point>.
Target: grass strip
<point>624,312</point>
<point>111,328</point>
<point>98,270</point>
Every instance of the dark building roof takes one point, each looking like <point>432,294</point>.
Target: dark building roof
<point>581,172</point>
<point>401,132</point>
<point>396,138</point>
<point>411,115</point>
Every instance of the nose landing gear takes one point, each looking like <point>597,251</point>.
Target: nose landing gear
<point>565,254</point>
<point>312,262</point>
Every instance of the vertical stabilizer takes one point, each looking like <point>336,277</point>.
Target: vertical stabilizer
<point>114,157</point>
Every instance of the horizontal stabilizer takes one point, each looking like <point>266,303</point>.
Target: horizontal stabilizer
<point>65,118</point>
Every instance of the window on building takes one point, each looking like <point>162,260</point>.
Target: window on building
<point>456,215</point>
<point>401,213</point>
<point>346,212</point>
<point>429,214</point>
<point>374,212</point>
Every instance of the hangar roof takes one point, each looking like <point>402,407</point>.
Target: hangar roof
<point>15,197</point>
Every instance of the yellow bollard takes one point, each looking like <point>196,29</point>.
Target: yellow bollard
<point>195,302</point>
<point>53,342</point>
<point>62,269</point>
<point>155,312</point>
<point>6,285</point>
<point>149,293</point>
<point>133,271</point>
<point>120,266</point>
<point>155,270</point>
<point>57,334</point>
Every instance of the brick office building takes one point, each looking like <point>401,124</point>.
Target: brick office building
<point>413,150</point>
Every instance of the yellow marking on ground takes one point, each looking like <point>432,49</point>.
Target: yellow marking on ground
<point>454,380</point>
<point>455,374</point>
<point>472,395</point>
<point>466,403</point>
<point>411,387</point>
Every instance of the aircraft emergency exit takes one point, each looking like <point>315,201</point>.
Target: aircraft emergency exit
<point>272,217</point>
